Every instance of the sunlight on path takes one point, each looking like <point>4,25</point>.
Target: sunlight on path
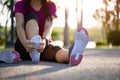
<point>91,44</point>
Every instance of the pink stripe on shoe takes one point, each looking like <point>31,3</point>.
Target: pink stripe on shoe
<point>79,29</point>
<point>76,62</point>
<point>17,56</point>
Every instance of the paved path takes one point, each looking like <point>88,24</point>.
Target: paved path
<point>97,64</point>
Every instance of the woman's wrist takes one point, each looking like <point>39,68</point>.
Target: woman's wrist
<point>24,42</point>
<point>46,40</point>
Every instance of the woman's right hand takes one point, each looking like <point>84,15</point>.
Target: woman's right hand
<point>29,46</point>
<point>42,46</point>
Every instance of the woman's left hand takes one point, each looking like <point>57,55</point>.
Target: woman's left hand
<point>42,46</point>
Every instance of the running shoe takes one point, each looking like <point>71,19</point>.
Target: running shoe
<point>9,56</point>
<point>77,48</point>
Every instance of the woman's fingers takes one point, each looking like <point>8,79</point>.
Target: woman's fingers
<point>30,49</point>
<point>41,48</point>
<point>30,46</point>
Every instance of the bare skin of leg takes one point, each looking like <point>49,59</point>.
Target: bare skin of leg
<point>32,29</point>
<point>62,56</point>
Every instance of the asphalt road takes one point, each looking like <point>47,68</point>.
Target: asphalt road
<point>97,64</point>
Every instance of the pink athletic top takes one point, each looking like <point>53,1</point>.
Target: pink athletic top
<point>21,8</point>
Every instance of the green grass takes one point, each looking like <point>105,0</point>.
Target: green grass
<point>2,47</point>
<point>106,47</point>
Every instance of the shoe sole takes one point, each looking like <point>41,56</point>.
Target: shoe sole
<point>80,42</point>
<point>9,56</point>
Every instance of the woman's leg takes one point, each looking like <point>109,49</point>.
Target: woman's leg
<point>62,56</point>
<point>32,29</point>
<point>75,53</point>
<point>32,32</point>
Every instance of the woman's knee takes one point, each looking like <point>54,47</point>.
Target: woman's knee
<point>32,24</point>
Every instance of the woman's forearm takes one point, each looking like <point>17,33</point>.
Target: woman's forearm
<point>20,27</point>
<point>21,34</point>
<point>47,30</point>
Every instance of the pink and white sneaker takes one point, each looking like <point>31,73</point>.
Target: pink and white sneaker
<point>9,56</point>
<point>76,50</point>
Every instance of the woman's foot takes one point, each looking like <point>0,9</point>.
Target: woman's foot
<point>9,56</point>
<point>78,47</point>
<point>35,55</point>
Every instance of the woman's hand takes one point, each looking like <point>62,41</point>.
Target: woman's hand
<point>42,45</point>
<point>29,46</point>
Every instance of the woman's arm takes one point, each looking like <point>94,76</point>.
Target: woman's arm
<point>48,28</point>
<point>20,27</point>
<point>28,45</point>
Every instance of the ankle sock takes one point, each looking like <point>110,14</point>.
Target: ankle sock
<point>35,55</point>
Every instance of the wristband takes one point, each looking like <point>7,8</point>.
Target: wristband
<point>46,40</point>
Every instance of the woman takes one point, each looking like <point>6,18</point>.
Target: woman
<point>34,20</point>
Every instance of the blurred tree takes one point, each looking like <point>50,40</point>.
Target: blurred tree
<point>9,5</point>
<point>110,19</point>
<point>79,21</point>
<point>66,29</point>
<point>6,3</point>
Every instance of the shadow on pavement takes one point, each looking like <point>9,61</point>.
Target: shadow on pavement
<point>41,69</point>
